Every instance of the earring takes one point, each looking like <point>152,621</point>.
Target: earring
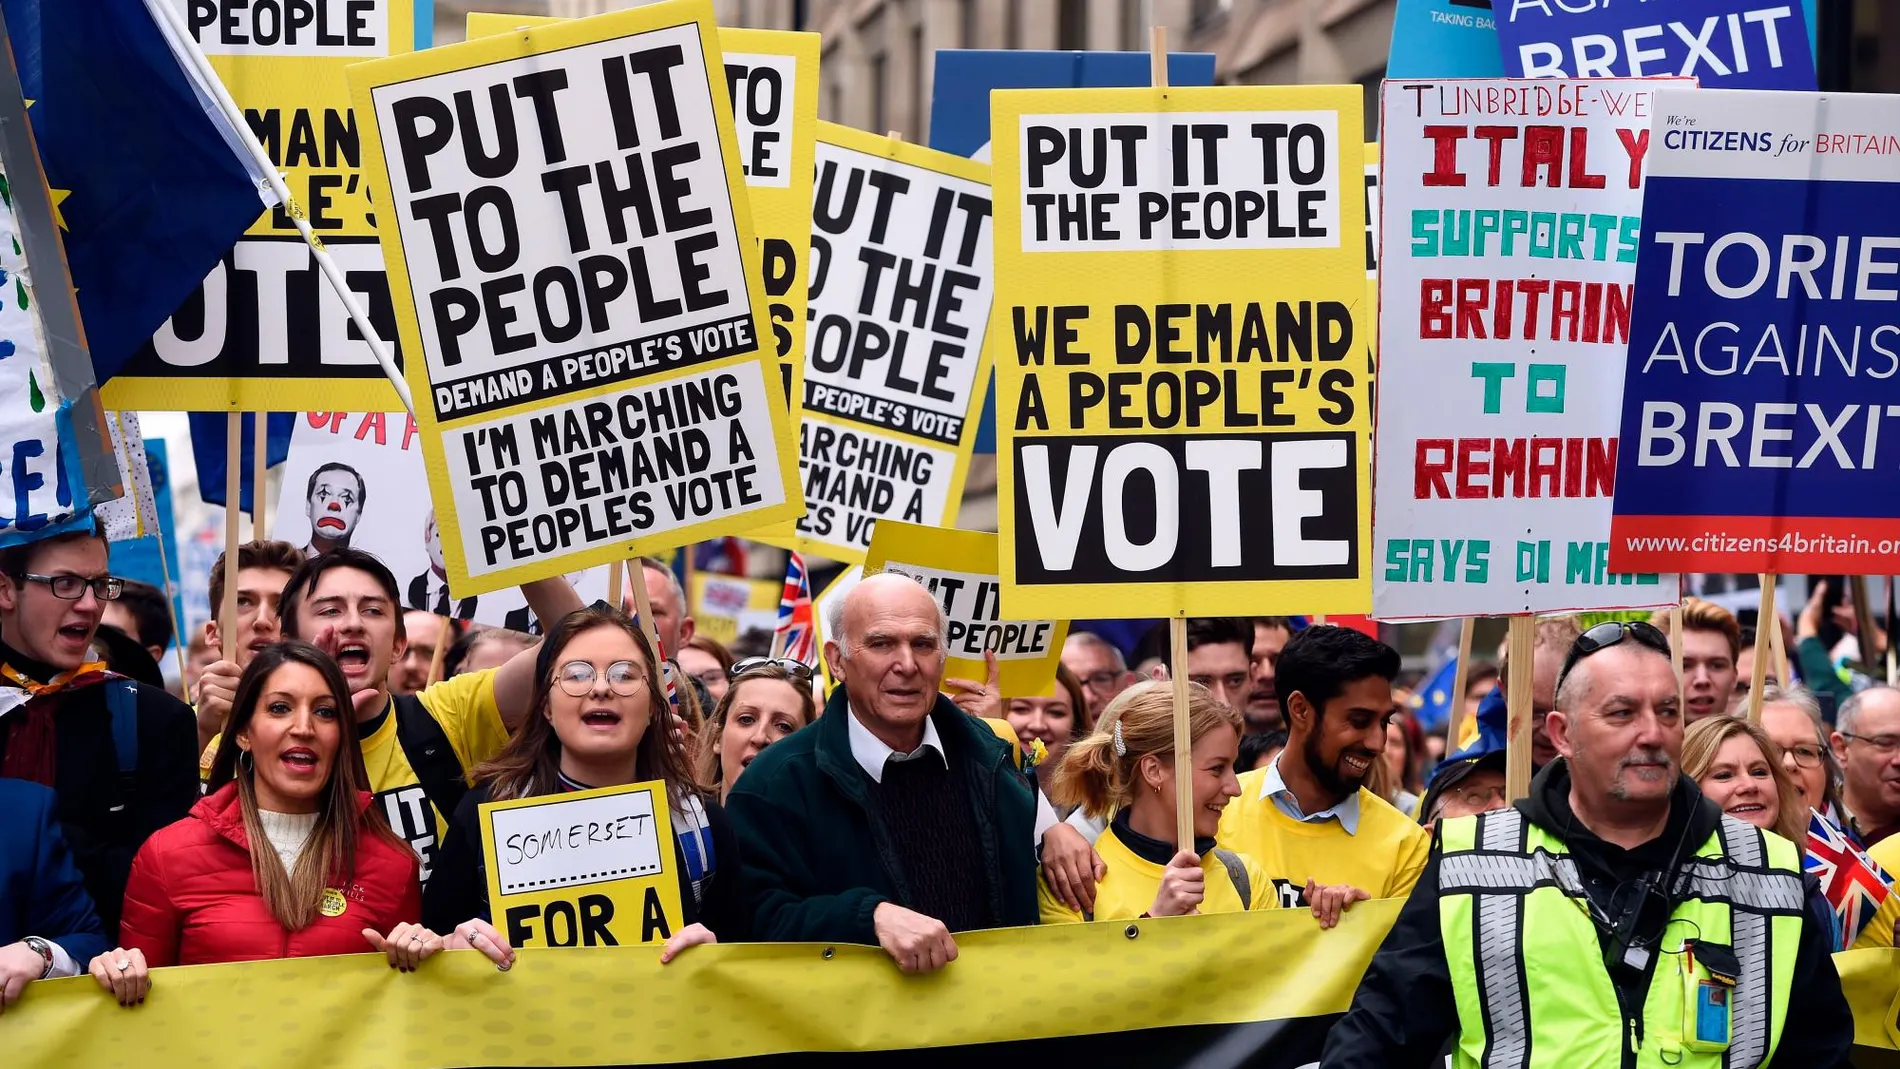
<point>247,761</point>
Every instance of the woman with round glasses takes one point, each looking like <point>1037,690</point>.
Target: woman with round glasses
<point>591,724</point>
<point>766,699</point>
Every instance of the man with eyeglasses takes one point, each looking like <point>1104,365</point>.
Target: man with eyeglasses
<point>1867,743</point>
<point>120,756</point>
<point>1614,916</point>
<point>1101,668</point>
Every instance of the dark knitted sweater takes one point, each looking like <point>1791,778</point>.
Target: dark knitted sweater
<point>928,812</point>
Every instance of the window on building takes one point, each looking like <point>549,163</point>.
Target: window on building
<point>1134,34</point>
<point>880,93</point>
<point>1072,24</point>
<point>1012,37</point>
<point>919,86</point>
<point>966,23</point>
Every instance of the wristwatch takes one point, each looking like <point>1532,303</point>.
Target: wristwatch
<point>44,949</point>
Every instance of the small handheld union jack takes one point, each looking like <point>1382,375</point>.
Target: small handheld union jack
<point>1852,882</point>
<point>794,636</point>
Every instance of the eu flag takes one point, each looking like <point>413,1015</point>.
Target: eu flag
<point>147,179</point>
<point>208,437</point>
<point>1433,712</point>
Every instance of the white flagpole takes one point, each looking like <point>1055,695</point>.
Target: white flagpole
<point>188,50</point>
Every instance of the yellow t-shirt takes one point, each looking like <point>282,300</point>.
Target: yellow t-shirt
<point>1129,887</point>
<point>465,707</point>
<point>1384,859</point>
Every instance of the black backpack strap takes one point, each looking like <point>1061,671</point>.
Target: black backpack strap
<point>438,770</point>
<point>122,704</point>
<point>1237,872</point>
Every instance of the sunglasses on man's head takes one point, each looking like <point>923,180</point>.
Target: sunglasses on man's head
<point>1607,634</point>
<point>798,670</point>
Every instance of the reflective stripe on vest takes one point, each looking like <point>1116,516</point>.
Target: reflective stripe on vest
<point>1499,873</point>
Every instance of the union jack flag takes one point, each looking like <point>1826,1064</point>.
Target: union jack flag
<point>794,636</point>
<point>1853,884</point>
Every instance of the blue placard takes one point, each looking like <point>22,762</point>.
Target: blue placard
<point>1758,430</point>
<point>425,24</point>
<point>1724,44</point>
<point>1444,39</point>
<point>960,109</point>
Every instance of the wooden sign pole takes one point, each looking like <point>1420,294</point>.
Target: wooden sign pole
<point>1177,625</point>
<point>260,467</point>
<point>1765,626</point>
<point>637,572</point>
<point>444,635</point>
<point>1183,736</point>
<point>233,485</point>
<point>1521,674</point>
<point>614,588</point>
<point>1675,648</point>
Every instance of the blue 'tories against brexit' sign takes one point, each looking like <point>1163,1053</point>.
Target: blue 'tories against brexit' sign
<point>1761,409</point>
<point>1725,44</point>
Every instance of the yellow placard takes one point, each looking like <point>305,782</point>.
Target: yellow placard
<point>1178,1001</point>
<point>265,332</point>
<point>583,868</point>
<point>959,567</point>
<point>1182,400</point>
<point>772,76</point>
<point>575,273</point>
<point>723,604</point>
<point>895,363</point>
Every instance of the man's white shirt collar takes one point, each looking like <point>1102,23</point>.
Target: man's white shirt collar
<point>871,752</point>
<point>1273,786</point>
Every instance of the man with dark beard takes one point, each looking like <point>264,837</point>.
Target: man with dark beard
<point>1306,818</point>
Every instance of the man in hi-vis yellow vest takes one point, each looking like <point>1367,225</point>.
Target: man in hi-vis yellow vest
<point>1614,917</point>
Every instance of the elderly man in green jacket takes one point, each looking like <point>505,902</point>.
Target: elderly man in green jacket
<point>896,819</point>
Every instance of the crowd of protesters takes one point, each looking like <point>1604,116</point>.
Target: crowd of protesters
<point>320,794</point>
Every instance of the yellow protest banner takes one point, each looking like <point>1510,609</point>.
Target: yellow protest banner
<point>1260,988</point>
<point>582,868</point>
<point>576,280</point>
<point>727,606</point>
<point>1182,405</point>
<point>265,331</point>
<point>895,365</point>
<point>959,567</point>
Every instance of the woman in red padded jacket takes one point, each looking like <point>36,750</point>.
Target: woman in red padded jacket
<point>286,857</point>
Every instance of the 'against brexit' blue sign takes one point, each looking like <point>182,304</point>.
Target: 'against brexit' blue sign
<point>1761,406</point>
<point>1725,44</point>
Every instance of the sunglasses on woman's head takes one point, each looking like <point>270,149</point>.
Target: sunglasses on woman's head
<point>1607,634</point>
<point>798,670</point>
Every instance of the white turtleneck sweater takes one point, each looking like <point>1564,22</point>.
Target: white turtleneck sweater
<point>287,832</point>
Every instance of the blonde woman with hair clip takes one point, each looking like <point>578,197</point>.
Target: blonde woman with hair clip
<point>1124,770</point>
